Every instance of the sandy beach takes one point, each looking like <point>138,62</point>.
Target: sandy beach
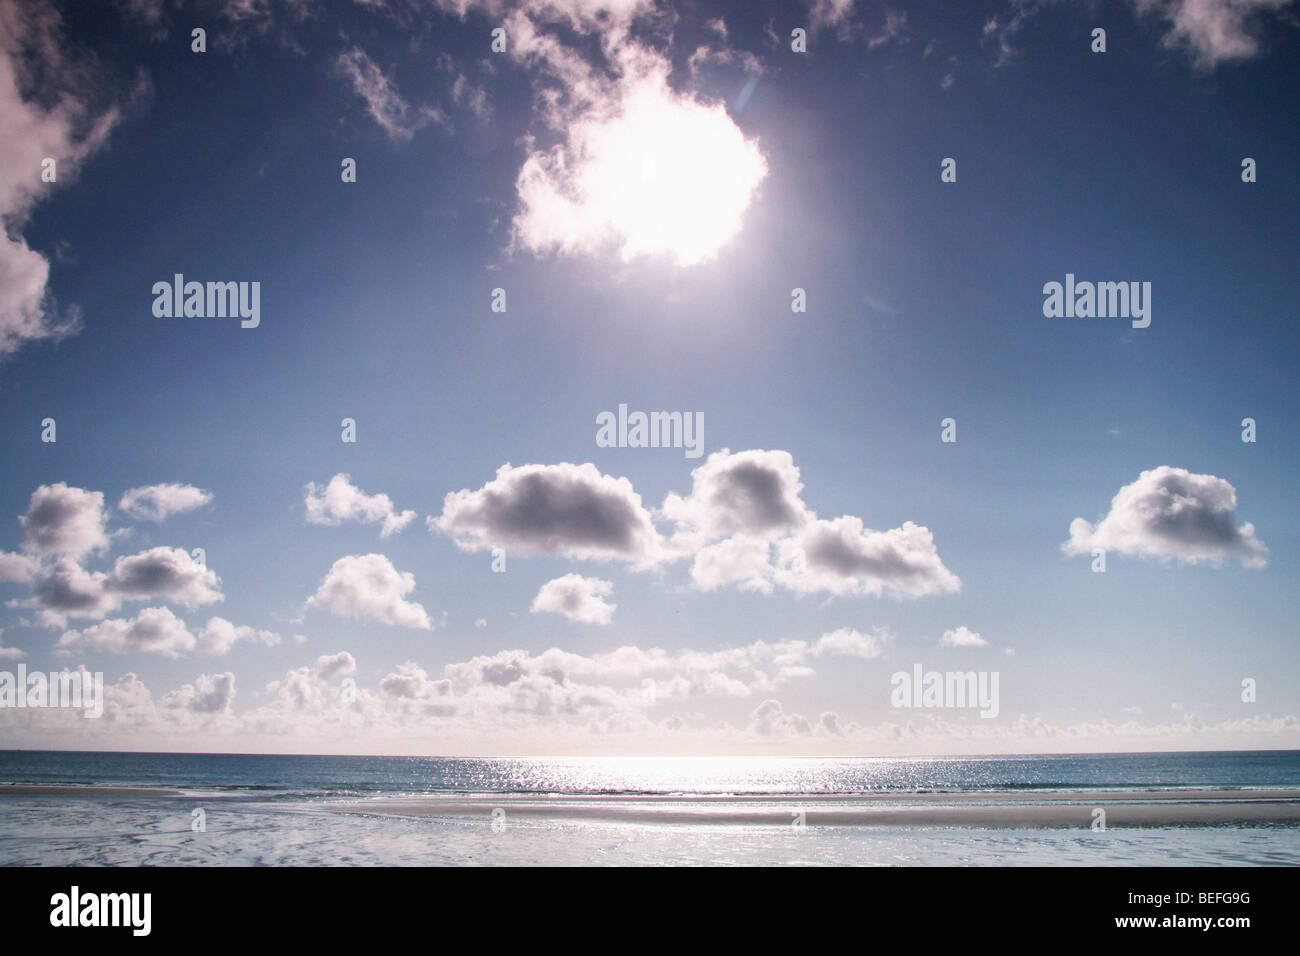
<point>1206,807</point>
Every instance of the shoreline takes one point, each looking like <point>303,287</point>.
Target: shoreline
<point>984,809</point>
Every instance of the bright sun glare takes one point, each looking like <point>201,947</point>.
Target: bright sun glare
<point>665,175</point>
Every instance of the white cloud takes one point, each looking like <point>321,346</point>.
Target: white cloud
<point>19,568</point>
<point>1215,31</point>
<point>329,666</point>
<point>1171,513</point>
<point>166,573</point>
<point>159,502</point>
<point>368,587</point>
<point>851,643</point>
<point>154,630</point>
<point>67,590</point>
<point>46,111</point>
<point>383,102</point>
<point>769,719</point>
<point>577,598</point>
<point>755,493</point>
<point>219,636</point>
<point>565,509</point>
<point>741,560</point>
<point>209,694</point>
<point>341,501</point>
<point>842,557</point>
<point>63,520</point>
<point>962,637</point>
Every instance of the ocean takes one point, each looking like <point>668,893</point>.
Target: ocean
<point>72,808</point>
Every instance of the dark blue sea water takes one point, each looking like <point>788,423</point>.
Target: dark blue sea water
<point>306,776</point>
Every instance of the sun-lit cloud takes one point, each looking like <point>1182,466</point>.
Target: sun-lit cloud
<point>49,108</point>
<point>157,630</point>
<point>1171,513</point>
<point>159,502</point>
<point>1215,31</point>
<point>169,573</point>
<point>385,105</point>
<point>368,587</point>
<point>563,509</point>
<point>844,557</point>
<point>754,493</point>
<point>651,172</point>
<point>63,520</point>
<point>577,598</point>
<point>340,501</point>
<point>623,161</point>
<point>962,636</point>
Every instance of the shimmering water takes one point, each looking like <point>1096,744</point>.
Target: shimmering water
<point>283,810</point>
<point>306,776</point>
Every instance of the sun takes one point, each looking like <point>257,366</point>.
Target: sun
<point>660,173</point>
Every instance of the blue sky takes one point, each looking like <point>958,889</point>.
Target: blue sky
<point>924,302</point>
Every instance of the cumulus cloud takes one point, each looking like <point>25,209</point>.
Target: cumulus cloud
<point>565,509</point>
<point>843,557</point>
<point>744,523</point>
<point>577,598</point>
<point>741,560</point>
<point>852,643</point>
<point>307,689</point>
<point>68,590</point>
<point>769,719</point>
<point>632,679</point>
<point>219,636</point>
<point>413,690</point>
<point>755,493</point>
<point>65,589</point>
<point>157,630</point>
<point>154,630</point>
<point>329,666</point>
<point>386,107</point>
<point>19,568</point>
<point>340,501</point>
<point>159,502</point>
<point>1171,513</point>
<point>209,694</point>
<point>66,521</point>
<point>962,637</point>
<point>47,109</point>
<point>368,587</point>
<point>165,573</point>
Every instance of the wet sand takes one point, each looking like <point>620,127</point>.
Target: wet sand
<point>993,809</point>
